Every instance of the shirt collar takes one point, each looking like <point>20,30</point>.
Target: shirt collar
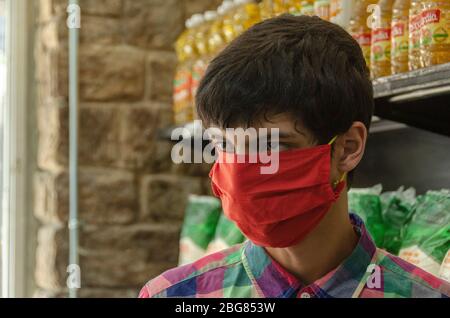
<point>273,281</point>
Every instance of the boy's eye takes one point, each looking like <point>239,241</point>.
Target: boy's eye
<point>263,147</point>
<point>221,145</point>
<point>276,146</point>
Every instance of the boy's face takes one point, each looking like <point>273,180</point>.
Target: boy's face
<point>306,180</point>
<point>292,135</point>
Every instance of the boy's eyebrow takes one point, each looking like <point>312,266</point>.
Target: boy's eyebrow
<point>285,134</point>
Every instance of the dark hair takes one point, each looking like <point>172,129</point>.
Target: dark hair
<point>304,66</point>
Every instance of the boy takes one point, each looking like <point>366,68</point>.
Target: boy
<point>307,78</point>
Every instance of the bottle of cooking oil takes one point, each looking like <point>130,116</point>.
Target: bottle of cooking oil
<point>186,53</point>
<point>322,9</point>
<point>307,7</point>
<point>359,28</point>
<point>201,32</point>
<point>181,78</point>
<point>247,14</point>
<point>434,35</point>
<point>195,49</point>
<point>335,9</point>
<point>399,38</point>
<point>201,36</point>
<point>228,20</point>
<point>380,55</point>
<point>238,17</point>
<point>294,7</point>
<point>266,9</point>
<point>341,11</point>
<point>280,7</point>
<point>251,15</point>
<point>415,26</point>
<point>216,38</point>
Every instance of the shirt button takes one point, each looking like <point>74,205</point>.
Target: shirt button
<point>305,295</point>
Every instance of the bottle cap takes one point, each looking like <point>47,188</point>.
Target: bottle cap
<point>197,19</point>
<point>210,15</point>
<point>188,23</point>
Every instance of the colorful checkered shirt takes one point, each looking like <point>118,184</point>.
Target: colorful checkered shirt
<point>246,270</point>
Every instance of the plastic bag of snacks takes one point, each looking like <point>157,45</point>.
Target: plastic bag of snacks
<point>227,234</point>
<point>367,204</point>
<point>200,221</point>
<point>427,239</point>
<point>396,210</point>
<point>444,272</point>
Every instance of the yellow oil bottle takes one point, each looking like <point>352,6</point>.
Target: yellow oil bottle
<point>266,9</point>
<point>435,32</point>
<point>307,7</point>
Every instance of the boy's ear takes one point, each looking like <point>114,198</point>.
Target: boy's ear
<point>353,144</point>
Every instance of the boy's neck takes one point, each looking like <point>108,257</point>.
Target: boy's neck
<point>324,249</point>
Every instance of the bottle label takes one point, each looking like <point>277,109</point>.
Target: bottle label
<point>335,8</point>
<point>381,45</point>
<point>182,96</point>
<point>434,28</point>
<point>364,40</point>
<point>182,86</point>
<point>415,25</point>
<point>444,272</point>
<point>307,9</point>
<point>400,42</point>
<point>322,9</point>
<point>198,71</point>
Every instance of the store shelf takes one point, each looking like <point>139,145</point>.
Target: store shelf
<point>419,98</point>
<point>420,80</point>
<point>382,125</point>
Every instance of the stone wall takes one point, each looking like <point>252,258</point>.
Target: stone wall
<point>131,196</point>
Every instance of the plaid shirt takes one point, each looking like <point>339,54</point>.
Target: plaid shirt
<point>246,270</point>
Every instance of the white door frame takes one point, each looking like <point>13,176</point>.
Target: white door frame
<point>15,198</point>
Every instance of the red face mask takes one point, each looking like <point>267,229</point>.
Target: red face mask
<point>276,210</point>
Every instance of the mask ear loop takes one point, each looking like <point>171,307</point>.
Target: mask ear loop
<point>333,140</point>
<point>344,176</point>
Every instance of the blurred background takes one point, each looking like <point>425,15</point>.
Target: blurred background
<point>140,214</point>
<point>131,196</point>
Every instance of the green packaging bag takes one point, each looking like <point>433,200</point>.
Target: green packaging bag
<point>201,217</point>
<point>444,272</point>
<point>396,211</point>
<point>427,238</point>
<point>366,203</point>
<point>227,234</point>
